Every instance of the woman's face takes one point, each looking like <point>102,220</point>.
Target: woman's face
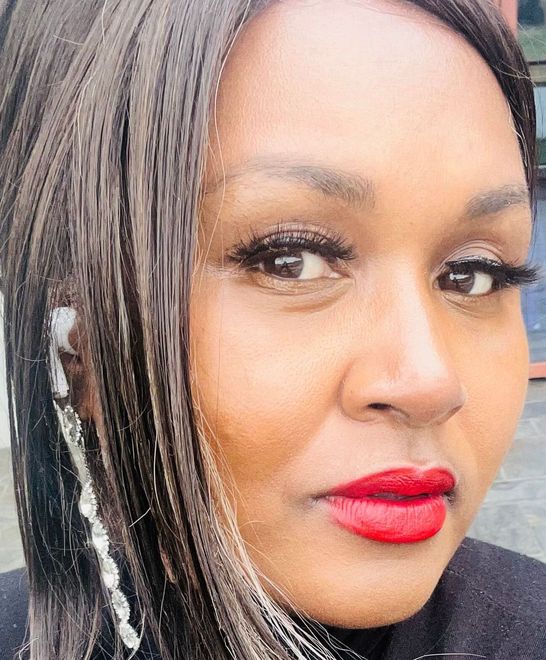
<point>365,148</point>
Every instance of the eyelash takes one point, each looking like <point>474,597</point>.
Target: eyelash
<point>333,247</point>
<point>504,274</point>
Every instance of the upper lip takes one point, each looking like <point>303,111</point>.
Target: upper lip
<point>405,482</point>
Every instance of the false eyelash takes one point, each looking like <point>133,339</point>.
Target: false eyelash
<point>506,275</point>
<point>330,245</point>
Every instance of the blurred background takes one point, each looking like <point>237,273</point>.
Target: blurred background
<point>514,512</point>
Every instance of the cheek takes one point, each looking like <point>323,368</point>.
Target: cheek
<point>495,367</point>
<point>263,386</point>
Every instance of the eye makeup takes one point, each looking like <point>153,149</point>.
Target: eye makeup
<point>329,244</point>
<point>503,274</point>
<point>326,243</point>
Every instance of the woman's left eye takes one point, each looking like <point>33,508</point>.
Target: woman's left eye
<point>482,276</point>
<point>469,284</point>
<point>302,265</point>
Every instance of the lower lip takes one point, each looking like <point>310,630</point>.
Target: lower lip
<point>390,521</point>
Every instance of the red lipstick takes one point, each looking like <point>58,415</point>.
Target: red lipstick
<point>405,505</point>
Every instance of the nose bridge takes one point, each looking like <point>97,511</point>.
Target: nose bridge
<point>408,371</point>
<point>423,353</point>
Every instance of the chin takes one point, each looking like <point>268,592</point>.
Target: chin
<point>350,608</point>
<point>384,613</point>
<point>376,587</point>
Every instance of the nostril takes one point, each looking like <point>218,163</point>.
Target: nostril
<point>379,406</point>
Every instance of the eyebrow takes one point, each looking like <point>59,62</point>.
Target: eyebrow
<point>496,200</point>
<point>352,189</point>
<point>357,191</point>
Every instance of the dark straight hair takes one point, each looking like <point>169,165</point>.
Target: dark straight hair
<point>104,115</point>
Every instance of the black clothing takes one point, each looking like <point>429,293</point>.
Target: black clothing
<point>490,602</point>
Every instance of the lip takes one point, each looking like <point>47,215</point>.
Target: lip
<point>403,505</point>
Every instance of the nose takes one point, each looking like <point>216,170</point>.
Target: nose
<point>404,370</point>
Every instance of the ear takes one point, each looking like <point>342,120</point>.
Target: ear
<point>77,369</point>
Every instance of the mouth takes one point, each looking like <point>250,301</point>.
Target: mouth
<point>404,505</point>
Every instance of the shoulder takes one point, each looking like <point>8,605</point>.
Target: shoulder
<point>490,603</point>
<point>14,628</point>
<point>13,611</point>
<point>515,583</point>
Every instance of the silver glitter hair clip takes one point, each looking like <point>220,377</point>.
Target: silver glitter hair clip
<point>62,320</point>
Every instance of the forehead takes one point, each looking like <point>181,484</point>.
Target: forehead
<point>367,86</point>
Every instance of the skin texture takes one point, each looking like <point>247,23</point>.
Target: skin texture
<point>288,374</point>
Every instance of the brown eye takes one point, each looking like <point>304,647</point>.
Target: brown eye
<point>285,265</point>
<point>473,283</point>
<point>302,265</point>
